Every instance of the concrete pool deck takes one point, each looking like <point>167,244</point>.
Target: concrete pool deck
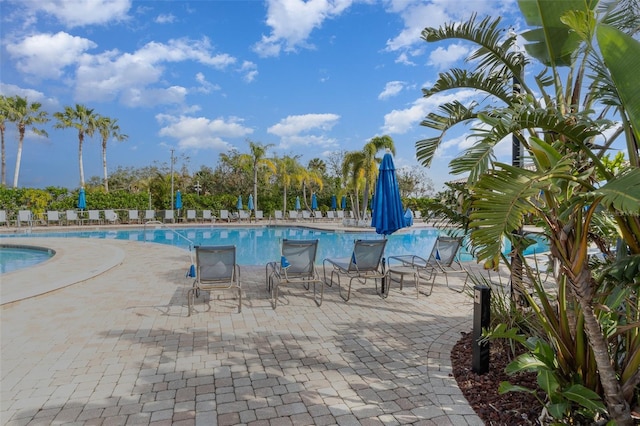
<point>114,346</point>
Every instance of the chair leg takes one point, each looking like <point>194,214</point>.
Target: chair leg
<point>190,300</point>
<point>348,290</point>
<point>321,292</point>
<point>239,300</point>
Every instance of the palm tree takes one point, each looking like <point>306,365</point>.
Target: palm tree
<point>26,115</point>
<point>84,120</point>
<point>108,127</point>
<point>558,133</point>
<point>3,118</point>
<point>288,172</point>
<point>257,161</point>
<point>309,178</point>
<point>362,167</point>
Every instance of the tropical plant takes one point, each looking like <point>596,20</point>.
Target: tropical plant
<point>592,328</point>
<point>84,121</point>
<point>257,161</point>
<point>108,128</point>
<point>26,116</point>
<point>3,154</point>
<point>288,172</point>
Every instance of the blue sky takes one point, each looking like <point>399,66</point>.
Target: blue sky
<point>202,77</point>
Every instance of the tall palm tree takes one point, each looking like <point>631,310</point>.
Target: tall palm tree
<point>108,128</point>
<point>558,133</point>
<point>257,161</point>
<point>310,178</point>
<point>288,172</point>
<point>26,116</point>
<point>82,119</point>
<point>362,167</point>
<point>3,119</point>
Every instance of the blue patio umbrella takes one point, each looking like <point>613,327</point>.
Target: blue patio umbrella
<point>334,202</point>
<point>239,203</point>
<point>297,203</point>
<point>82,199</point>
<point>343,202</point>
<point>408,217</point>
<point>314,202</point>
<point>250,202</point>
<point>388,213</point>
<point>178,201</point>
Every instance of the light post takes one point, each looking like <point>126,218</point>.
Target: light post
<point>197,187</point>
<point>171,208</point>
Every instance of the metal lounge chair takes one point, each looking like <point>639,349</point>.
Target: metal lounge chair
<point>244,215</point>
<point>94,217</point>
<point>207,216</point>
<point>24,216</point>
<point>317,215</point>
<point>169,216</point>
<point>224,215</point>
<point>53,217</point>
<point>259,215</point>
<point>72,216</point>
<point>296,266</point>
<point>293,215</point>
<point>3,218</point>
<point>443,259</point>
<point>278,215</point>
<point>364,263</point>
<point>134,216</point>
<point>149,215</point>
<point>111,216</point>
<point>216,269</point>
<point>191,216</point>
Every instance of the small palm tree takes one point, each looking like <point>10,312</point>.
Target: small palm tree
<point>257,161</point>
<point>108,127</point>
<point>288,172</point>
<point>3,118</point>
<point>84,120</point>
<point>26,115</point>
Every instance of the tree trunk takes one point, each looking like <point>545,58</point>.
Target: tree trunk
<point>104,166</point>
<point>80,140</point>
<point>255,188</point>
<point>18,157</point>
<point>4,158</point>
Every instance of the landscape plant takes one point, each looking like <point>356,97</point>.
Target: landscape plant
<point>585,343</point>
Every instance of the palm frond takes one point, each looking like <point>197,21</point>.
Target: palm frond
<point>622,193</point>
<point>459,78</point>
<point>475,160</point>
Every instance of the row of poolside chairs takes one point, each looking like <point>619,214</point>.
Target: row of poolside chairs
<point>216,268</point>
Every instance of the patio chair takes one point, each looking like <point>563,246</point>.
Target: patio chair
<point>134,216</point>
<point>3,218</point>
<point>306,215</point>
<point>149,215</point>
<point>72,216</point>
<point>364,263</point>
<point>293,215</point>
<point>317,215</point>
<point>243,215</point>
<point>207,216</point>
<point>331,215</point>
<point>296,266</point>
<point>94,217</point>
<point>277,215</point>
<point>216,269</point>
<point>340,214</point>
<point>417,215</point>
<point>24,216</point>
<point>224,215</point>
<point>191,216</point>
<point>111,216</point>
<point>169,215</point>
<point>53,217</point>
<point>443,259</point>
<point>259,215</point>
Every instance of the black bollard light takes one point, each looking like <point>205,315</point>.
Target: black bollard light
<point>481,319</point>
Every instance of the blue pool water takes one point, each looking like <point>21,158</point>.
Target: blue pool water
<point>259,245</point>
<point>14,258</point>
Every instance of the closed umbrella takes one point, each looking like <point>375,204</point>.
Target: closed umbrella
<point>334,202</point>
<point>297,203</point>
<point>314,202</point>
<point>178,200</point>
<point>343,202</point>
<point>408,217</point>
<point>250,202</point>
<point>82,199</point>
<point>388,213</point>
<point>239,203</point>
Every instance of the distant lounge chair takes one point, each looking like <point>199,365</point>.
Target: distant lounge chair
<point>3,218</point>
<point>296,266</point>
<point>149,215</point>
<point>72,216</point>
<point>111,216</point>
<point>259,215</point>
<point>224,215</point>
<point>317,215</point>
<point>340,214</point>
<point>24,216</point>
<point>293,215</point>
<point>443,259</point>
<point>94,217</point>
<point>169,216</point>
<point>216,269</point>
<point>53,217</point>
<point>134,216</point>
<point>243,215</point>
<point>306,215</point>
<point>207,217</point>
<point>331,215</point>
<point>277,215</point>
<point>191,216</point>
<point>417,214</point>
<point>364,263</point>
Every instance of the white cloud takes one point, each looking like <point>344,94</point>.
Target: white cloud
<point>249,69</point>
<point>77,13</point>
<point>445,57</point>
<point>46,55</point>
<point>104,76</point>
<point>205,86</point>
<point>292,22</point>
<point>392,88</point>
<point>30,94</point>
<point>200,132</point>
<point>165,19</point>
<point>298,130</point>
<point>134,97</point>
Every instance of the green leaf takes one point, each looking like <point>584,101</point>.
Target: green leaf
<point>525,362</point>
<point>585,398</point>
<point>544,154</point>
<point>505,387</point>
<point>548,381</point>
<point>558,410</point>
<point>622,193</point>
<point>621,54</point>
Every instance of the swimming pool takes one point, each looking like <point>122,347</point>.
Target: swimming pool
<point>259,245</point>
<point>13,257</point>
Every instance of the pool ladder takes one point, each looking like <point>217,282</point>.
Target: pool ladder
<point>157,224</point>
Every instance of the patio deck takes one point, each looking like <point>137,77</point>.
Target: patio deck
<point>114,346</point>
